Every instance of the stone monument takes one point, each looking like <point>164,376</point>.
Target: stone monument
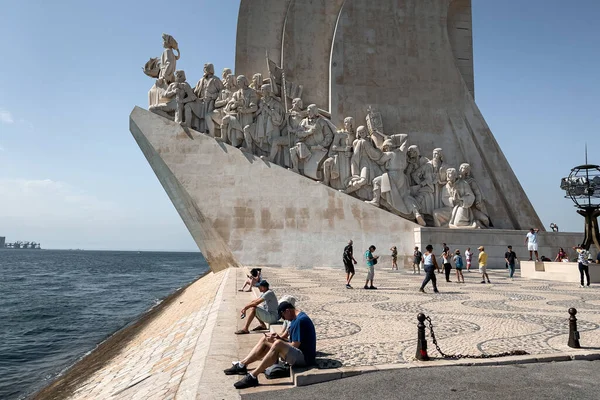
<point>260,180</point>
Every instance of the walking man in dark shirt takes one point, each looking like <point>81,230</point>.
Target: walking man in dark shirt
<point>511,258</point>
<point>349,262</point>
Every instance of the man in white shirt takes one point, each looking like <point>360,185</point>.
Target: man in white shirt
<point>532,243</point>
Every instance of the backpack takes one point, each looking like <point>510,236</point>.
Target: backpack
<point>459,262</point>
<point>277,370</point>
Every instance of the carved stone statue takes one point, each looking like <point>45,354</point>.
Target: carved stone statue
<point>207,90</point>
<point>457,199</point>
<point>336,168</point>
<point>365,165</point>
<point>313,143</point>
<point>218,113</point>
<point>227,72</point>
<point>256,84</point>
<point>392,187</point>
<point>421,176</point>
<point>269,118</point>
<point>280,146</point>
<point>163,69</point>
<point>375,126</point>
<point>439,176</point>
<point>240,112</point>
<point>479,209</point>
<point>177,96</point>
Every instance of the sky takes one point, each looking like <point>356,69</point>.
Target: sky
<point>71,175</point>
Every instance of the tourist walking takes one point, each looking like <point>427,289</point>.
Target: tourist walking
<point>417,259</point>
<point>371,261</point>
<point>511,258</point>
<point>531,240</point>
<point>446,263</point>
<point>458,263</point>
<point>483,264</point>
<point>468,258</point>
<point>394,251</point>
<point>429,265</point>
<point>583,263</point>
<point>349,261</point>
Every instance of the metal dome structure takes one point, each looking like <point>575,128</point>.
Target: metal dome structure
<point>582,186</point>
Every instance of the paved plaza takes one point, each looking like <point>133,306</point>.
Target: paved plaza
<point>180,353</point>
<point>358,327</point>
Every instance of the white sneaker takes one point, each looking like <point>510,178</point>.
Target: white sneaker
<point>581,286</point>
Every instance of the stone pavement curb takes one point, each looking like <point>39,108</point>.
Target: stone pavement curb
<point>188,388</point>
<point>314,376</point>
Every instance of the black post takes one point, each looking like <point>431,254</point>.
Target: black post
<point>573,334</point>
<point>421,340</point>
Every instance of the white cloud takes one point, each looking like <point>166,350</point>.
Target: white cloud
<point>6,117</point>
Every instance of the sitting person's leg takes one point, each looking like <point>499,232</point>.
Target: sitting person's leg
<point>265,318</point>
<point>279,348</point>
<point>250,314</point>
<point>258,351</point>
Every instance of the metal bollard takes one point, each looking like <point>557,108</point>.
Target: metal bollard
<point>573,333</point>
<point>421,340</point>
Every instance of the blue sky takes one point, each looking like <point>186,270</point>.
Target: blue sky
<point>71,175</point>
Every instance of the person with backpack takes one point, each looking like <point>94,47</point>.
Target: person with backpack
<point>371,261</point>
<point>458,263</point>
<point>418,258</point>
<point>348,259</point>
<point>583,263</point>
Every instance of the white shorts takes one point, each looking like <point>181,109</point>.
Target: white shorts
<point>482,269</point>
<point>370,273</point>
<point>532,246</point>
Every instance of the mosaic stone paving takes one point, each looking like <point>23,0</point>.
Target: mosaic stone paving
<point>358,327</point>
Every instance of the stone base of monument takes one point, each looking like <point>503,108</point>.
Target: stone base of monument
<point>243,210</point>
<point>495,242</point>
<point>557,271</point>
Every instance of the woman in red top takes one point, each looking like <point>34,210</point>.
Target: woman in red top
<point>562,255</point>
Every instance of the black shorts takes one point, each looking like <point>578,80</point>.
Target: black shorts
<point>349,267</point>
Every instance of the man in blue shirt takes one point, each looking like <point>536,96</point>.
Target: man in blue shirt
<point>299,351</point>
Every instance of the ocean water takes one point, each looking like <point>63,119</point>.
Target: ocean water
<point>56,306</point>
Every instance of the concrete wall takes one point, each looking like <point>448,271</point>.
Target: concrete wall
<point>243,210</point>
<point>555,271</point>
<point>496,241</point>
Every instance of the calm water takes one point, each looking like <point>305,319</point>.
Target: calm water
<point>55,306</point>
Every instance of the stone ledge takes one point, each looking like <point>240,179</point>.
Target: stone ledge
<point>305,377</point>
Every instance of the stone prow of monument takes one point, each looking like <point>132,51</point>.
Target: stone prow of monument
<point>242,210</point>
<point>411,60</point>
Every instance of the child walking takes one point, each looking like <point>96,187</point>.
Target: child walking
<point>458,263</point>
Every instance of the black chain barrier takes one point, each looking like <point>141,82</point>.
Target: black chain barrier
<point>459,356</point>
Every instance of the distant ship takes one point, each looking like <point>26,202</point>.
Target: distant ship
<point>19,245</point>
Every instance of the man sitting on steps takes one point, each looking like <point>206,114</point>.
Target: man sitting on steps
<point>263,308</point>
<point>299,351</point>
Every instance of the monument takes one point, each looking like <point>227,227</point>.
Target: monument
<point>390,148</point>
